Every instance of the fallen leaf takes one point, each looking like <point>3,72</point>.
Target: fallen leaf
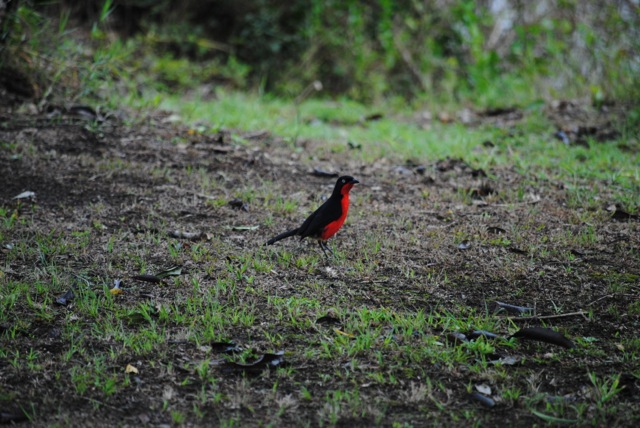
<point>131,369</point>
<point>485,401</point>
<point>552,419</point>
<point>328,319</point>
<point>181,234</point>
<point>543,334</point>
<point>83,111</point>
<point>172,271</point>
<point>620,215</point>
<point>505,360</point>
<point>25,195</point>
<point>421,169</point>
<point>147,278</point>
<point>464,245</point>
<point>167,393</point>
<point>239,205</point>
<point>517,250</point>
<point>265,361</point>
<point>483,389</point>
<point>512,309</point>
<point>476,334</point>
<point>66,298</point>
<point>225,347</point>
<point>481,192</point>
<point>456,337</point>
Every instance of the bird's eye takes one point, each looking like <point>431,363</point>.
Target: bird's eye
<point>343,181</point>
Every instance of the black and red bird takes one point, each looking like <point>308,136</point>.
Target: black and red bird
<point>326,220</point>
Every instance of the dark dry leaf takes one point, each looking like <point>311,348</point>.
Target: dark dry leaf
<point>147,278</point>
<point>222,150</point>
<point>456,337</point>
<point>464,245</point>
<point>485,401</point>
<point>421,169</point>
<point>543,334</point>
<point>66,298</point>
<point>481,192</point>
<point>496,230</point>
<point>328,319</point>
<point>512,309</point>
<point>319,172</point>
<point>83,111</point>
<point>239,205</point>
<point>621,215</point>
<point>481,333</point>
<point>265,361</point>
<point>517,250</point>
<point>225,347</point>
<point>498,111</point>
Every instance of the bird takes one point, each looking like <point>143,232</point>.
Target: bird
<point>327,219</point>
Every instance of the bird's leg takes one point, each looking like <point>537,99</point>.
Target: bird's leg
<point>322,248</point>
<point>325,247</point>
<point>329,248</point>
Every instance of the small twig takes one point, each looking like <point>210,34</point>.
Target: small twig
<point>533,202</point>
<point>610,295</point>
<point>548,317</point>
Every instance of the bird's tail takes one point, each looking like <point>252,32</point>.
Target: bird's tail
<point>282,236</point>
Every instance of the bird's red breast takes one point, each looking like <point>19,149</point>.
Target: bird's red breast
<point>333,227</point>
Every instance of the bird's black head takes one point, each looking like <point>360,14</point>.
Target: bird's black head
<point>344,184</point>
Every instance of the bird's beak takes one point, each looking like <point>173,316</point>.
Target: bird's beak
<point>354,181</point>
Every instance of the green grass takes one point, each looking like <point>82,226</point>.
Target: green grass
<point>334,124</point>
<point>381,344</point>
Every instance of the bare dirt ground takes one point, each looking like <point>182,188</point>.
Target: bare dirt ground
<point>450,239</point>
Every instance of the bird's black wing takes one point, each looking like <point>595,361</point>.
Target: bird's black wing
<point>328,212</point>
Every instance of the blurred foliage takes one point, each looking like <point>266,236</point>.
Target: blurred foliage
<point>490,52</point>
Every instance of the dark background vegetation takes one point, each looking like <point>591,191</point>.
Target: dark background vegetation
<point>491,51</point>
